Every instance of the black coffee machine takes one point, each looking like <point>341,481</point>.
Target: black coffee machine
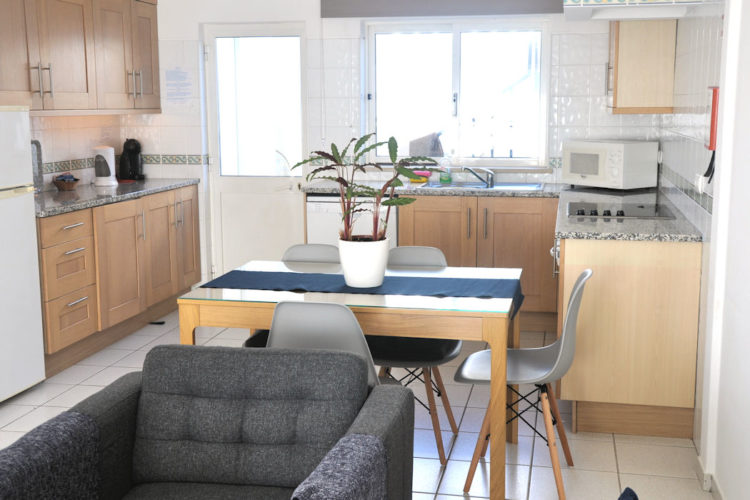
<point>131,162</point>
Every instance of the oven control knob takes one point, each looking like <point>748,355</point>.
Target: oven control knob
<point>580,211</point>
<point>621,213</point>
<point>607,213</point>
<point>594,212</point>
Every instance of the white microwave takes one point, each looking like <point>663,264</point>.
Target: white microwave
<point>610,164</point>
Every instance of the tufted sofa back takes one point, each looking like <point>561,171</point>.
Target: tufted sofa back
<point>242,416</point>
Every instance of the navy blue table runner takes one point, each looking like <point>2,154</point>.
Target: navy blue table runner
<point>392,285</point>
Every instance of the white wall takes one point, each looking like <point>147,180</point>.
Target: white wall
<point>726,450</point>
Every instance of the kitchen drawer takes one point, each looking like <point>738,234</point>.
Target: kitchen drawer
<point>65,227</point>
<point>68,267</point>
<point>70,318</point>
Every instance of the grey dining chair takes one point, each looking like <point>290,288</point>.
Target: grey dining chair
<point>320,325</point>
<point>308,252</point>
<point>419,357</point>
<point>540,366</point>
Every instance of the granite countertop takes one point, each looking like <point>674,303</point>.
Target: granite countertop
<point>678,229</point>
<point>49,203</point>
<point>548,190</point>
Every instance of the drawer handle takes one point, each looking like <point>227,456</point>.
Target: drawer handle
<point>77,224</point>
<point>76,250</point>
<point>71,304</point>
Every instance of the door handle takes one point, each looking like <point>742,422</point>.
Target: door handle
<point>131,74</point>
<point>51,90</point>
<point>38,68</point>
<point>71,304</point>
<point>140,80</point>
<point>77,224</point>
<point>485,223</point>
<point>76,250</point>
<point>468,225</point>
<point>143,224</point>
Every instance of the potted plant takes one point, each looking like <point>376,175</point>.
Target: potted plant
<point>364,256</point>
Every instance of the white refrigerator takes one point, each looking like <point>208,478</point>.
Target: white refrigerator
<point>21,343</point>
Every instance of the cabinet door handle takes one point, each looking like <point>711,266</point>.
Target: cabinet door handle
<point>77,224</point>
<point>176,219</point>
<point>51,90</point>
<point>485,223</point>
<point>143,224</point>
<point>76,250</point>
<point>131,74</point>
<point>140,80</point>
<point>38,68</point>
<point>455,104</point>
<point>468,225</point>
<point>607,67</point>
<point>555,253</point>
<point>182,213</point>
<point>71,304</point>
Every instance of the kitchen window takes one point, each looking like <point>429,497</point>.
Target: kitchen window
<point>474,93</point>
<point>259,89</point>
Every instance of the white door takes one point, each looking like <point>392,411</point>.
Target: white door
<point>255,118</point>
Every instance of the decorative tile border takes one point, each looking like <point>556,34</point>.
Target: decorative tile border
<point>555,162</point>
<point>148,159</point>
<point>705,200</point>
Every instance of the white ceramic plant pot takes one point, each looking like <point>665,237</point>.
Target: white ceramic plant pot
<point>363,262</point>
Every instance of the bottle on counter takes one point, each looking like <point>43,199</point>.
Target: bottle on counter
<point>445,171</point>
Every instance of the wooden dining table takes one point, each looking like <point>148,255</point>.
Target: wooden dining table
<point>465,318</point>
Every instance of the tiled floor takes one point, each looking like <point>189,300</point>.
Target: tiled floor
<point>656,468</point>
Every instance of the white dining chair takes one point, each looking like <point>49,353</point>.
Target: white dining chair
<point>540,366</point>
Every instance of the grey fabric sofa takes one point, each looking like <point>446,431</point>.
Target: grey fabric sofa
<point>224,423</point>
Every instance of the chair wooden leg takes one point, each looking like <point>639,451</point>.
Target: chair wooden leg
<point>384,370</point>
<point>444,397</point>
<point>434,415</point>
<point>560,426</point>
<point>479,450</point>
<point>552,446</point>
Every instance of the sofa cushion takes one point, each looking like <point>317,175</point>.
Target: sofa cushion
<point>202,491</point>
<point>58,459</point>
<point>243,416</point>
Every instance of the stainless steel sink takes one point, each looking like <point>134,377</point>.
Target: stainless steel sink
<point>502,186</point>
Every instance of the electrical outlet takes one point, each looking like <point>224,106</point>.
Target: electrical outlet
<point>700,183</point>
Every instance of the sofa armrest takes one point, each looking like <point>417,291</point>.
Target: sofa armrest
<point>353,468</point>
<point>114,411</point>
<point>388,413</point>
<point>58,459</point>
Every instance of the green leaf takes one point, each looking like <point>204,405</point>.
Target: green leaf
<point>409,174</point>
<point>335,153</point>
<point>361,142</point>
<point>309,160</point>
<point>418,160</point>
<point>398,202</point>
<point>396,182</point>
<point>367,150</point>
<point>315,172</point>
<point>393,149</point>
<point>327,156</point>
<point>343,153</point>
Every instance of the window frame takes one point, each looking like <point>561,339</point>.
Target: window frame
<point>456,27</point>
<point>281,29</point>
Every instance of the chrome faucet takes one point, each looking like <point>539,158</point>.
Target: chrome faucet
<point>489,182</point>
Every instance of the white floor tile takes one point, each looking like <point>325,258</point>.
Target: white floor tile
<point>106,357</point>
<point>653,460</point>
<point>578,484</point>
<point>108,375</point>
<point>426,475</point>
<point>134,360</point>
<point>425,445</point>
<point>154,330</point>
<point>10,412</point>
<point>39,394</point>
<point>653,440</point>
<point>34,418</point>
<point>515,453</point>
<point>422,496</point>
<point>171,337</point>
<point>208,332</point>
<point>516,480</point>
<point>235,334</point>
<point>132,342</point>
<point>75,374</point>
<point>664,488</point>
<point>7,438</point>
<point>587,455</point>
<point>480,396</point>
<point>73,396</point>
<point>216,341</point>
<point>422,418</point>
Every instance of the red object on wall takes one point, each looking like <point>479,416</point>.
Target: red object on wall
<point>714,118</point>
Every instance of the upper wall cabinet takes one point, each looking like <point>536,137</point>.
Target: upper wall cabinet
<point>79,55</point>
<point>642,55</point>
<point>127,54</point>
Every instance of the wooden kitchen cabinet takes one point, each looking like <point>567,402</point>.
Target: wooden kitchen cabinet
<point>68,274</point>
<point>66,47</point>
<point>446,222</point>
<point>160,245</point>
<point>127,55</point>
<point>490,232</point>
<point>637,334</point>
<point>187,236</point>
<point>642,57</point>
<point>519,232</point>
<point>19,51</point>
